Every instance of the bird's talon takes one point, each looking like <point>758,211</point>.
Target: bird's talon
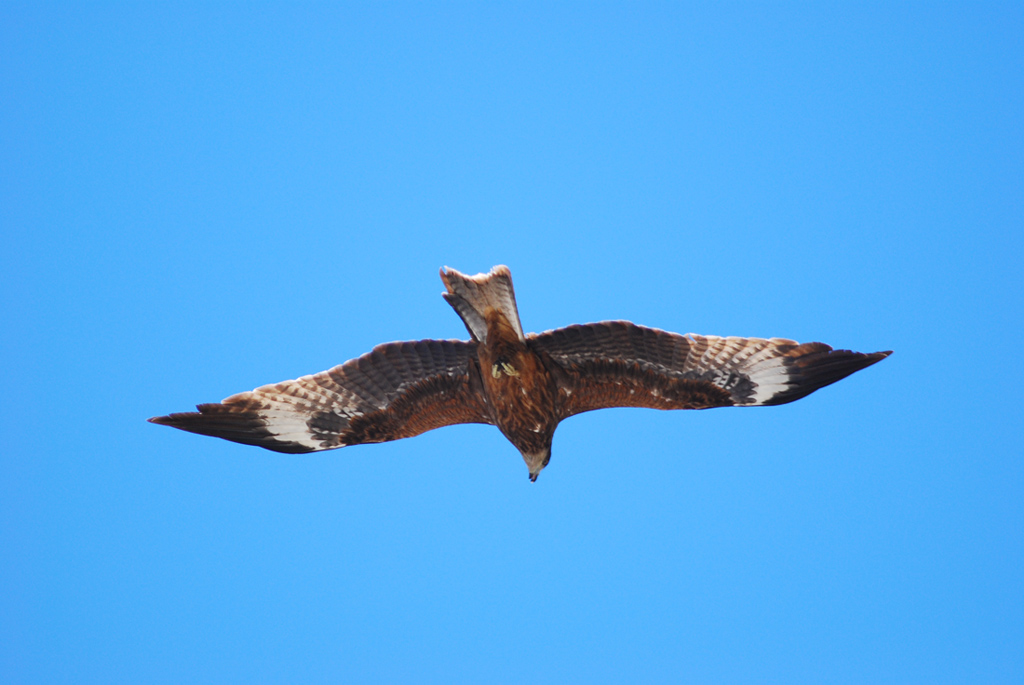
<point>503,367</point>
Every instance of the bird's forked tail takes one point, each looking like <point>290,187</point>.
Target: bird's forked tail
<point>474,297</point>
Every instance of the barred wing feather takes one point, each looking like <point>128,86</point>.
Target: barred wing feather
<point>396,391</point>
<point>621,364</point>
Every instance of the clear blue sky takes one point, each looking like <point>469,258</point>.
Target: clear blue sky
<point>199,199</point>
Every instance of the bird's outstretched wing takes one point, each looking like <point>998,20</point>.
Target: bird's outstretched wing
<point>396,391</point>
<point>620,364</point>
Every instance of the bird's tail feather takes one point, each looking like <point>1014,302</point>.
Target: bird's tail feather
<point>473,297</point>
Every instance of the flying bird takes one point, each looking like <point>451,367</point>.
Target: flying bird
<point>525,384</point>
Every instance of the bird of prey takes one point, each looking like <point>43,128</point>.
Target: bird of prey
<point>525,384</point>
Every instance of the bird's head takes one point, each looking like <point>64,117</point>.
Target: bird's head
<point>536,461</point>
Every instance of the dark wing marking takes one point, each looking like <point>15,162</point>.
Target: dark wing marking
<point>620,364</point>
<point>396,391</point>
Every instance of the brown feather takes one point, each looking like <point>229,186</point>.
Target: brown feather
<point>525,385</point>
<point>520,390</point>
<point>396,391</point>
<point>621,364</point>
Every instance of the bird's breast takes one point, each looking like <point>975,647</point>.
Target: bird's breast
<point>521,392</point>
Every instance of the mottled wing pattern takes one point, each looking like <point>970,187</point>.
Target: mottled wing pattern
<point>396,391</point>
<point>620,364</point>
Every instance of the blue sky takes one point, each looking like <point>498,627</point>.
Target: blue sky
<point>197,199</point>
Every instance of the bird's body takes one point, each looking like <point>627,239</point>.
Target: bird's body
<point>523,384</point>
<point>521,392</point>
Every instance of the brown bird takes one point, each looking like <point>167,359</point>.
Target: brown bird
<point>523,384</point>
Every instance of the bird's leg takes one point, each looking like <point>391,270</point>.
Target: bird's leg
<point>501,366</point>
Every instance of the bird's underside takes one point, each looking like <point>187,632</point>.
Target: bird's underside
<point>523,384</point>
